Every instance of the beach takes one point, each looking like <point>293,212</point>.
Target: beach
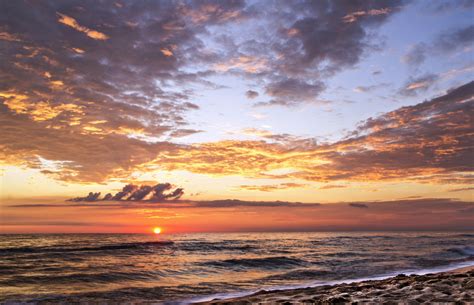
<point>455,286</point>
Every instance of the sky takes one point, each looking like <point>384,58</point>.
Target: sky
<point>202,116</point>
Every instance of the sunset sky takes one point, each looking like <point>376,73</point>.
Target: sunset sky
<point>270,115</point>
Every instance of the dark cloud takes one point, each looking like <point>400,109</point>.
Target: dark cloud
<point>172,203</point>
<point>183,132</point>
<point>251,94</point>
<point>455,39</point>
<point>416,55</point>
<point>336,32</point>
<point>365,89</point>
<point>227,203</point>
<point>358,205</point>
<point>131,192</point>
<point>450,41</point>
<point>290,91</point>
<point>310,41</point>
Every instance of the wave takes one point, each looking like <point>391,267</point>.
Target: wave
<point>121,246</point>
<point>264,262</point>
<point>300,274</point>
<point>464,235</point>
<point>103,277</point>
<point>448,256</point>
<point>217,246</point>
<point>465,251</point>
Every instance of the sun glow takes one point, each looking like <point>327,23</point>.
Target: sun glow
<point>157,230</point>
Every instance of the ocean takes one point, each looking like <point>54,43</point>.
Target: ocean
<point>183,268</point>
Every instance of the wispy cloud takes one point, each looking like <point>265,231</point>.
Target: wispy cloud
<point>358,205</point>
<point>272,187</point>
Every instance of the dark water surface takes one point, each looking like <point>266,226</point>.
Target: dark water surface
<point>135,268</point>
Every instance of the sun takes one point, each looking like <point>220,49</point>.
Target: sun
<point>157,230</point>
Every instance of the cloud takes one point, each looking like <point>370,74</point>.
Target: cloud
<point>184,132</point>
<point>250,94</point>
<point>104,91</point>
<point>429,142</point>
<point>364,89</point>
<point>297,52</point>
<point>456,39</point>
<point>446,6</point>
<point>290,91</point>
<point>228,203</point>
<point>447,42</point>
<point>282,138</point>
<point>420,84</point>
<point>416,55</point>
<point>332,186</point>
<point>248,64</point>
<point>41,111</point>
<point>462,189</point>
<point>405,206</point>
<point>172,204</point>
<point>352,17</point>
<point>404,214</point>
<point>119,66</point>
<point>132,192</point>
<point>358,205</point>
<point>103,108</point>
<point>71,22</point>
<point>272,187</point>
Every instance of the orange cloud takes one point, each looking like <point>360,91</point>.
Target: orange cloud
<point>248,64</point>
<point>78,50</point>
<point>166,52</point>
<point>9,37</point>
<point>71,22</point>
<point>40,111</point>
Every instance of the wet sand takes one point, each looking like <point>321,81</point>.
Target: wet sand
<point>456,286</point>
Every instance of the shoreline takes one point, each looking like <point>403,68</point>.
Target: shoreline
<point>426,286</point>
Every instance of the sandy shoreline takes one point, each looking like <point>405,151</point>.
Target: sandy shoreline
<point>455,286</point>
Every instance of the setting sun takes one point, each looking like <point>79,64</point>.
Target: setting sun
<point>157,230</point>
